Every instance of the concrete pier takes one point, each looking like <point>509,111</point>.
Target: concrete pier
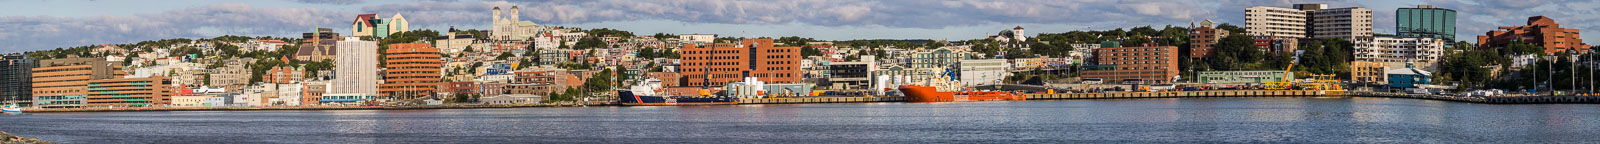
<point>1490,100</point>
<point>1184,94</point>
<point>798,100</point>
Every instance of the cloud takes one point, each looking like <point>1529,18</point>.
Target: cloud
<point>1476,18</point>
<point>23,33</point>
<point>18,33</point>
<point>339,2</point>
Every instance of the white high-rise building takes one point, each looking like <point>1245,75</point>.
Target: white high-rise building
<point>1348,23</point>
<point>1309,21</point>
<point>357,67</point>
<point>1275,21</point>
<point>1394,51</point>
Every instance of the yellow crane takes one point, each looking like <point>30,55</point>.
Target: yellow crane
<point>1284,83</point>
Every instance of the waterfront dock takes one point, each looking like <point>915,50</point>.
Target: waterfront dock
<point>1185,94</point>
<point>873,99</point>
<point>800,100</point>
<point>1507,99</point>
<point>256,108</point>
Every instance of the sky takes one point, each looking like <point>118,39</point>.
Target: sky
<point>29,25</point>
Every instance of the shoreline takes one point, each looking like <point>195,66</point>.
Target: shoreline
<point>815,100</point>
<point>292,108</point>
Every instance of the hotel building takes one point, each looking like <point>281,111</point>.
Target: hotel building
<point>413,71</point>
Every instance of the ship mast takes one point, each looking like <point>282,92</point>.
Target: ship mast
<point>706,85</point>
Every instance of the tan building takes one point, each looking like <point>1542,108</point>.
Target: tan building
<point>130,92</point>
<point>1309,21</point>
<point>61,83</point>
<point>1275,21</point>
<point>312,92</point>
<point>1347,23</point>
<point>1367,71</point>
<point>232,76</point>
<point>189,100</point>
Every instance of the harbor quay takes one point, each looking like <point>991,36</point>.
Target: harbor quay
<point>877,99</point>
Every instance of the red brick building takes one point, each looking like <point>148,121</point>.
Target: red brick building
<point>1156,64</point>
<point>725,63</point>
<point>1204,38</point>
<point>412,71</point>
<point>283,75</point>
<point>1541,31</point>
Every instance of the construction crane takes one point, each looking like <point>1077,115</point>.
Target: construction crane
<point>1284,83</point>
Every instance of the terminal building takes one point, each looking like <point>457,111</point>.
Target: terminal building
<point>1231,77</point>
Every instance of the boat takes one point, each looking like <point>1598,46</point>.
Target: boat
<point>650,93</point>
<point>12,109</point>
<point>945,88</point>
<point>918,93</point>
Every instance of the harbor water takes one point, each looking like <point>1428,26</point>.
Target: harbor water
<point>1169,120</point>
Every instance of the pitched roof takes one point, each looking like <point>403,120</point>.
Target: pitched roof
<point>1408,71</point>
<point>365,19</point>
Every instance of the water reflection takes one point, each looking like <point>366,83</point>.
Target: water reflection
<point>1213,120</point>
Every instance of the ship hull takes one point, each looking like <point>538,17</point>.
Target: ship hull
<point>627,98</point>
<point>915,93</point>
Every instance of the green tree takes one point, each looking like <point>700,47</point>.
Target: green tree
<point>1234,50</point>
<point>504,55</point>
<point>589,43</point>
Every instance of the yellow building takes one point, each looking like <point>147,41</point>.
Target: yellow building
<point>189,100</point>
<point>1367,71</point>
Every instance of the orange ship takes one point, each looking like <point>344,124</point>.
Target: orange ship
<point>917,93</point>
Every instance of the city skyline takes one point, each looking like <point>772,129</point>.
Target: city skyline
<point>41,25</point>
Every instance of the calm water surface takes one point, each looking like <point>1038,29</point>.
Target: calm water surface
<point>1244,120</point>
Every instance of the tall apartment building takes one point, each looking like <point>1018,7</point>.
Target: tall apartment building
<point>16,71</point>
<point>1541,31</point>
<point>1308,21</point>
<point>1275,21</point>
<point>1398,51</point>
<point>1157,64</point>
<point>1204,38</point>
<point>413,71</point>
<point>64,82</point>
<point>1347,23</point>
<point>130,92</point>
<point>730,62</point>
<point>1426,21</point>
<point>356,70</point>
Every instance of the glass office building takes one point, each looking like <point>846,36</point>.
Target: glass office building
<point>1426,21</point>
